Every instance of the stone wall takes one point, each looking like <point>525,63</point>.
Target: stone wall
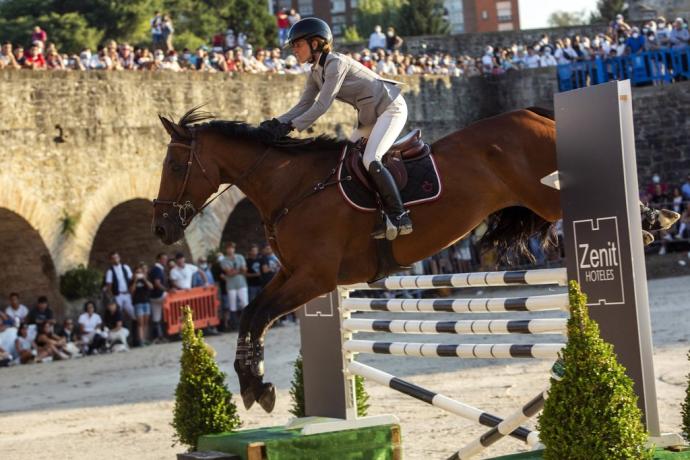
<point>109,156</point>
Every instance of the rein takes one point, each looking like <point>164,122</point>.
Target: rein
<point>186,211</point>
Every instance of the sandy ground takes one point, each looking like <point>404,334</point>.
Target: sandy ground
<point>119,406</point>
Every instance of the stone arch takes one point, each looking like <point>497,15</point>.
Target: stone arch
<point>120,188</point>
<point>27,264</point>
<point>126,229</point>
<point>244,226</point>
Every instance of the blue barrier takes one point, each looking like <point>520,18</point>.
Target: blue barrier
<point>649,67</point>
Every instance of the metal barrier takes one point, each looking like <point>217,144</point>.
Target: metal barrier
<point>203,301</point>
<point>662,65</point>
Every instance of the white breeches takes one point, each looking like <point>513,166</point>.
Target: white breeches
<point>384,132</point>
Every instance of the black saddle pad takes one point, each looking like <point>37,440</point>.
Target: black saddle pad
<point>423,185</point>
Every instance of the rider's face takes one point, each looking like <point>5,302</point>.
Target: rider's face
<point>300,49</point>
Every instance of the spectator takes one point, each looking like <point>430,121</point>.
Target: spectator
<point>118,279</point>
<point>377,39</point>
<point>283,23</point>
<point>230,39</point>
<point>684,222</point>
<point>275,62</point>
<point>34,58</point>
<point>181,274</point>
<point>126,57</point>
<point>7,59</point>
<point>16,311</point>
<point>386,66</point>
<point>685,188</point>
<point>158,279</point>
<point>39,35</point>
<point>117,334</point>
<point>203,267</point>
<point>532,60</point>
<point>41,313</point>
<point>488,60</point>
<point>258,63</point>
<point>663,32</point>
<point>618,27</point>
<point>636,42</point>
<point>19,55</point>
<point>546,59</point>
<point>52,344</point>
<point>253,274</point>
<point>269,264</point>
<point>141,288</point>
<point>89,324</point>
<point>293,17</point>
<point>234,267</point>
<point>393,40</point>
<point>53,59</point>
<point>679,36</point>
<point>5,357</point>
<point>26,348</point>
<point>156,30</point>
<point>167,31</point>
<point>71,336</point>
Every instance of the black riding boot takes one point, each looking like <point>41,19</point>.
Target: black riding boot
<point>398,221</point>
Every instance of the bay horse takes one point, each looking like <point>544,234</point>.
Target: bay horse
<point>490,168</point>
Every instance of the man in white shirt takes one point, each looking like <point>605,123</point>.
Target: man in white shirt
<point>547,59</point>
<point>532,60</point>
<point>15,310</point>
<point>117,281</point>
<point>377,39</point>
<point>182,273</point>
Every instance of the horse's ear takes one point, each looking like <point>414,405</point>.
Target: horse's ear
<point>169,126</point>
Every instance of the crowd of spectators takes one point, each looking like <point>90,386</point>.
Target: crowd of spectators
<point>130,309</point>
<point>230,51</point>
<point>676,197</point>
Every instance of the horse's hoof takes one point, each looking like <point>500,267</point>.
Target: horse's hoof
<point>246,388</point>
<point>647,238</point>
<point>247,398</point>
<point>667,218</point>
<point>266,397</point>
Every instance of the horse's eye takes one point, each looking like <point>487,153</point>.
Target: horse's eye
<point>176,167</point>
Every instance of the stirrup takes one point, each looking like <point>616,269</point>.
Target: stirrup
<point>404,223</point>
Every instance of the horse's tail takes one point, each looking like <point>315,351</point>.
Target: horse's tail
<point>509,231</point>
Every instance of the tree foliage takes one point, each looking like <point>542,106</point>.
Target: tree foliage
<point>423,17</point>
<point>566,18</point>
<point>73,24</point>
<point>591,413</point>
<point>203,403</point>
<point>608,9</point>
<point>371,13</point>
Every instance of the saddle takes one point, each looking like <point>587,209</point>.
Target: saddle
<point>408,148</point>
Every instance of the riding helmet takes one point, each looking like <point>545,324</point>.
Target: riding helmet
<point>309,28</point>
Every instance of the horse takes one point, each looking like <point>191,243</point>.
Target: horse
<point>490,169</point>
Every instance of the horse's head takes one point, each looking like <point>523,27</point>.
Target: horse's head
<point>187,180</point>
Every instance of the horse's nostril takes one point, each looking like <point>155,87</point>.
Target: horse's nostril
<point>159,231</point>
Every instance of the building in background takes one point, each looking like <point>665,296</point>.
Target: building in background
<point>462,15</point>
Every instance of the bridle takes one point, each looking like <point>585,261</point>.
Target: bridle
<point>186,211</point>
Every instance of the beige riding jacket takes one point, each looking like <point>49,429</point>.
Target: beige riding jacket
<point>340,77</point>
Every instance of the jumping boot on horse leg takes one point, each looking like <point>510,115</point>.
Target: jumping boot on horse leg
<point>397,218</point>
<point>249,366</point>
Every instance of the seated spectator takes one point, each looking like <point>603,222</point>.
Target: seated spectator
<point>100,60</point>
<point>40,313</point>
<point>143,59</point>
<point>26,348</point>
<point>126,57</point>
<point>16,311</point>
<point>54,59</point>
<point>141,289</point>
<point>257,64</point>
<point>73,343</point>
<point>275,62</point>
<point>34,59</point>
<point>171,63</point>
<point>7,59</point>
<point>117,333</point>
<point>52,344</point>
<point>89,323</point>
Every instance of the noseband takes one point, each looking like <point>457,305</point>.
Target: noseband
<point>186,210</point>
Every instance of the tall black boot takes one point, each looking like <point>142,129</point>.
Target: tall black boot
<point>398,221</point>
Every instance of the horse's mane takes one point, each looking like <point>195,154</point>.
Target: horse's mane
<point>198,120</point>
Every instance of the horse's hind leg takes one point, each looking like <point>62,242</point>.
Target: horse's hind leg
<point>294,292</point>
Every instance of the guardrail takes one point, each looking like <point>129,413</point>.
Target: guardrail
<point>203,301</point>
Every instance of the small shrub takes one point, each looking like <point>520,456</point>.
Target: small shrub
<point>591,413</point>
<point>80,282</point>
<point>297,391</point>
<point>203,403</point>
<point>685,410</point>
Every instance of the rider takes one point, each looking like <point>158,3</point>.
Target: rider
<point>382,111</point>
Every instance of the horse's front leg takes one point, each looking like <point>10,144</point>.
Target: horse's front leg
<point>245,364</point>
<point>293,292</point>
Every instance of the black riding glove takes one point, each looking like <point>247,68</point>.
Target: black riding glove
<point>275,130</point>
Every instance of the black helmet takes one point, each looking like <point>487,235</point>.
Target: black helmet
<point>309,28</point>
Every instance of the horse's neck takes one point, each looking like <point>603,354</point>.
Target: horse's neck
<point>269,178</point>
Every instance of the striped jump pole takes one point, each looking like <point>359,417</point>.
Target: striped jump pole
<point>510,423</point>
<point>525,435</point>
<point>479,305</point>
<point>545,276</point>
<point>469,350</point>
<point>481,326</point>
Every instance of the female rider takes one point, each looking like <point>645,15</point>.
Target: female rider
<point>380,106</point>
